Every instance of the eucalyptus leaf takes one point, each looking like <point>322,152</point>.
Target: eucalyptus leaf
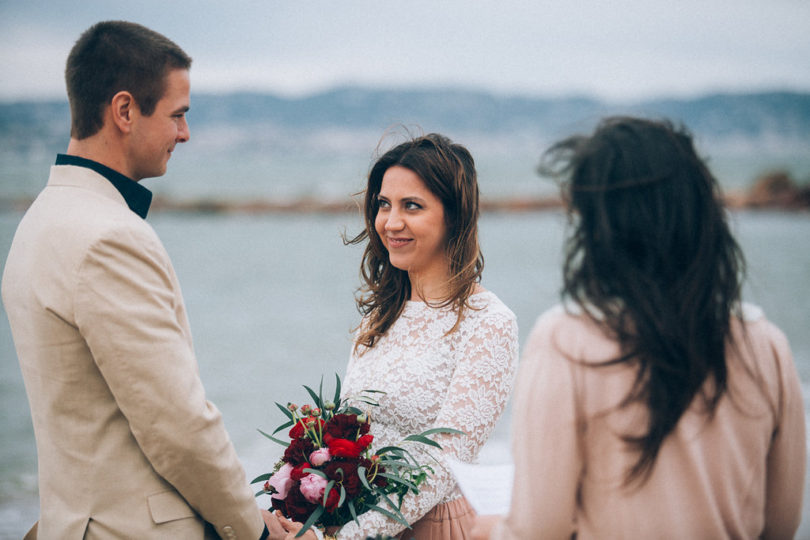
<point>262,478</point>
<point>285,410</point>
<point>395,508</point>
<point>399,465</point>
<point>361,472</point>
<point>342,496</point>
<point>284,426</point>
<point>314,396</point>
<point>313,517</point>
<point>405,455</point>
<point>397,517</point>
<point>282,443</point>
<point>326,491</point>
<point>398,480</point>
<point>391,503</point>
<point>315,472</point>
<point>386,449</point>
<point>442,430</point>
<point>337,390</point>
<point>423,440</point>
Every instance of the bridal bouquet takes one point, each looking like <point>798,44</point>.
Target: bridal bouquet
<point>329,474</point>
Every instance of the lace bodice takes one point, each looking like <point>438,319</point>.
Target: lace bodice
<point>460,381</point>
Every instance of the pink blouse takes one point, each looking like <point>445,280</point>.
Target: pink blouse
<point>739,474</point>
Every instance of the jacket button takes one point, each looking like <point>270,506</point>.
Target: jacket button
<point>228,530</point>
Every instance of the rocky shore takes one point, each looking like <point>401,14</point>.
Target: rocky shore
<point>775,190</point>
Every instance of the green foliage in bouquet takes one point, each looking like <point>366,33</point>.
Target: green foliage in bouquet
<point>329,475</point>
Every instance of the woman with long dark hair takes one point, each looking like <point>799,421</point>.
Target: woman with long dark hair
<point>653,403</point>
<point>442,348</point>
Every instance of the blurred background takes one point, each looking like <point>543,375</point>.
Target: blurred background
<point>292,101</point>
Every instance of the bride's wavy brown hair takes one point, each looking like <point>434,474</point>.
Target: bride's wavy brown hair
<point>652,260</point>
<point>448,171</point>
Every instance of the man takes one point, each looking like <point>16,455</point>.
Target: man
<point>128,446</point>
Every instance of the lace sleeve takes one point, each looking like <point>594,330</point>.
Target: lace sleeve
<point>487,357</point>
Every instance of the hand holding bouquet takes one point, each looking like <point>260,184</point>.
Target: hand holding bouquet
<point>329,475</point>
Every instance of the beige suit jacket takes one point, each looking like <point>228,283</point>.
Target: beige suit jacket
<point>128,445</point>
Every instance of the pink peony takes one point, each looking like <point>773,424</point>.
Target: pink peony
<point>312,488</point>
<point>319,457</point>
<point>281,481</point>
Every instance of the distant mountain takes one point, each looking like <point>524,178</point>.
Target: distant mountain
<point>459,110</point>
<point>718,115</point>
<point>775,116</point>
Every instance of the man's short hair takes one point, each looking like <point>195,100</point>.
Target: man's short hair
<point>115,56</point>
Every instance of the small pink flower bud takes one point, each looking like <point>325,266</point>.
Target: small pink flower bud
<point>319,456</point>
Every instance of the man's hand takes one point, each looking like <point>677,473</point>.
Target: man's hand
<point>277,532</point>
<point>292,528</point>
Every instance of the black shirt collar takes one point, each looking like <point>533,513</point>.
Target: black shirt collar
<point>138,198</point>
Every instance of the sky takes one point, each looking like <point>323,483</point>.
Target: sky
<point>617,50</point>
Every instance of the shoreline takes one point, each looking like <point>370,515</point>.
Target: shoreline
<point>734,201</point>
<point>772,191</point>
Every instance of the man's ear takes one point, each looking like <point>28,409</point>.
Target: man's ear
<point>122,109</point>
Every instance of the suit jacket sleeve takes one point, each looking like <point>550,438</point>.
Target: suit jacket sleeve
<point>131,313</point>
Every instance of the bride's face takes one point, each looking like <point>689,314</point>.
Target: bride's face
<point>410,223</point>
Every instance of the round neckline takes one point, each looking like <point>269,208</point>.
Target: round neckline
<point>422,302</point>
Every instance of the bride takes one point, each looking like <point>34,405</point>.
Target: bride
<point>442,347</point>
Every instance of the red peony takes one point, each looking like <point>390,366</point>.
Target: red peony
<point>296,506</point>
<point>298,472</point>
<point>279,504</point>
<point>298,452</point>
<point>297,431</point>
<point>332,499</point>
<point>300,427</point>
<point>365,441</point>
<point>352,484</point>
<point>344,448</point>
<point>345,474</point>
<point>343,426</point>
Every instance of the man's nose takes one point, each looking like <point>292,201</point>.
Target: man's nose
<point>183,133</point>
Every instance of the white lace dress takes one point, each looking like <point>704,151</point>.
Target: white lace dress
<point>461,381</point>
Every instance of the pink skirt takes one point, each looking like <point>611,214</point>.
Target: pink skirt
<point>448,521</point>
